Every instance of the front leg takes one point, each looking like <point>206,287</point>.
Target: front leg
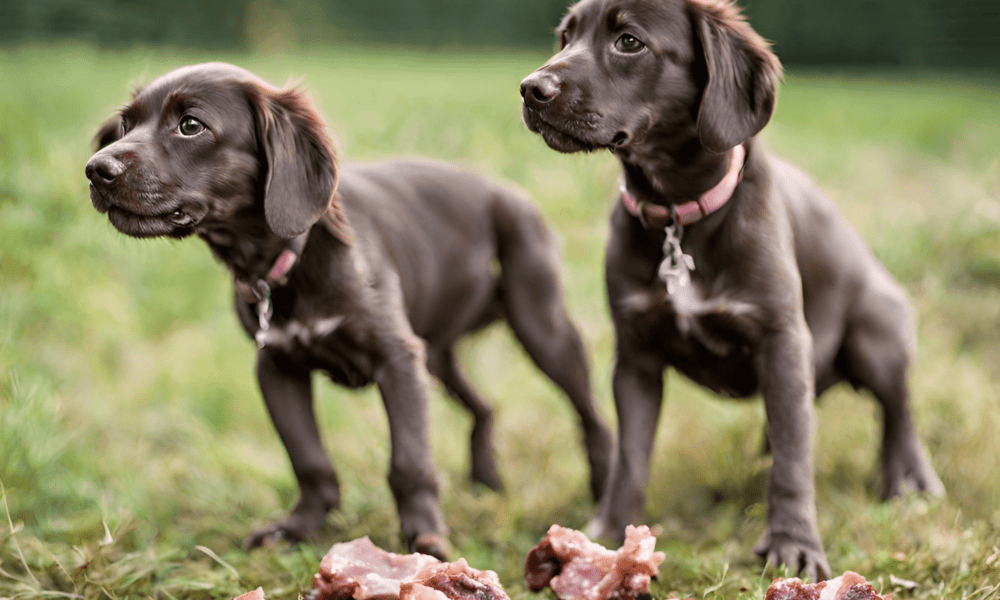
<point>287,392</point>
<point>792,535</point>
<point>402,380</point>
<point>638,390</point>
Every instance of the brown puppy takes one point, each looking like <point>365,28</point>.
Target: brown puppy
<point>373,283</point>
<point>723,262</point>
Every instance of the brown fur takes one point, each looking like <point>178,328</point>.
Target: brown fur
<point>785,299</point>
<point>403,265</point>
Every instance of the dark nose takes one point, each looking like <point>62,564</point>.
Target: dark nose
<point>539,88</point>
<point>103,168</point>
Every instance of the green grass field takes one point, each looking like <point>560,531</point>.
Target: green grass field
<point>135,452</point>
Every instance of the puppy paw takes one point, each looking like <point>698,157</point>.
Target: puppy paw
<point>291,530</point>
<point>485,472</point>
<point>911,474</point>
<point>800,557</point>
<point>603,531</point>
<point>269,537</point>
<point>432,544</point>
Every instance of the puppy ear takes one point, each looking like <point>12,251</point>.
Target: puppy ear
<point>743,74</point>
<point>301,171</point>
<point>109,133</point>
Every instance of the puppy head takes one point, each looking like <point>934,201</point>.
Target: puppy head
<point>629,70</point>
<point>205,143</point>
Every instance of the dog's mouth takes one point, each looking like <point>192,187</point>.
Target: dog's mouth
<point>583,135</point>
<point>174,221</point>
<point>176,224</point>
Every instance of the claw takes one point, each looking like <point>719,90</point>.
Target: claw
<point>272,536</point>
<point>265,538</point>
<point>796,556</point>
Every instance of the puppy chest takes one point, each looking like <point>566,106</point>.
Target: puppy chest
<point>710,340</point>
<point>328,344</point>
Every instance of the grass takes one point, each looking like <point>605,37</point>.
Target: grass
<point>135,452</point>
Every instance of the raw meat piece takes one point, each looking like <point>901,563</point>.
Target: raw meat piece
<point>849,586</point>
<point>579,569</point>
<point>453,581</point>
<point>257,594</point>
<point>359,570</point>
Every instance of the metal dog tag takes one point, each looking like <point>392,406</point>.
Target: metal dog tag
<point>675,270</point>
<point>264,312</point>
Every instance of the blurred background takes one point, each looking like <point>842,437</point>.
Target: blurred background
<point>907,33</point>
<point>135,451</point>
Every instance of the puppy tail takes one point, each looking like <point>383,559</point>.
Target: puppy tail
<point>526,248</point>
<point>531,286</point>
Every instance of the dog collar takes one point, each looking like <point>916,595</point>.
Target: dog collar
<point>657,215</point>
<point>259,293</point>
<point>276,275</point>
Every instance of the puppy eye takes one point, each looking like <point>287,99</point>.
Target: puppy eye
<point>563,39</point>
<point>191,126</point>
<point>123,125</point>
<point>628,44</point>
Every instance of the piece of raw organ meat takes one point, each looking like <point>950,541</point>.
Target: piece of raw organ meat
<point>849,586</point>
<point>579,569</point>
<point>360,570</point>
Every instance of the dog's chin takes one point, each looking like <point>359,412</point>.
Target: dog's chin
<point>563,142</point>
<point>170,222</point>
<point>142,226</point>
<point>564,139</point>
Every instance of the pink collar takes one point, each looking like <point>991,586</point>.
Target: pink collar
<point>253,293</point>
<point>695,210</point>
<point>335,223</point>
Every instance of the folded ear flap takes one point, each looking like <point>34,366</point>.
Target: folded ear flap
<point>301,170</point>
<point>109,133</point>
<point>743,73</point>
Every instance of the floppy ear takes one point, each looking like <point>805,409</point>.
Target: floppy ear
<point>743,73</point>
<point>109,133</point>
<point>301,171</point>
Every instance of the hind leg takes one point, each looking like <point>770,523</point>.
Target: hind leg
<point>484,469</point>
<point>558,351</point>
<point>534,307</point>
<point>876,355</point>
